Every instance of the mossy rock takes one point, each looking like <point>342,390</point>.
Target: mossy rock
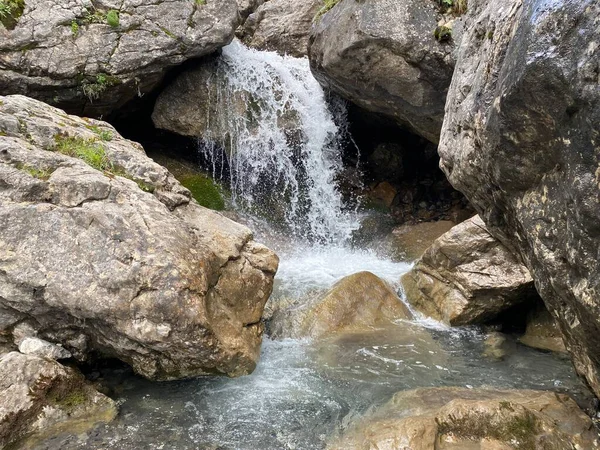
<point>204,190</point>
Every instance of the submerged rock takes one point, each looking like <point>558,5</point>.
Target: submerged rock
<point>409,242</point>
<point>102,250</point>
<point>358,302</point>
<point>92,57</point>
<point>281,25</point>
<point>41,398</point>
<point>520,140</point>
<point>382,55</point>
<point>542,331</point>
<point>467,276</point>
<point>455,418</point>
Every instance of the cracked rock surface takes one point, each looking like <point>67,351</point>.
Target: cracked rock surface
<point>521,140</point>
<point>118,259</point>
<point>67,53</point>
<point>467,276</point>
<point>382,55</point>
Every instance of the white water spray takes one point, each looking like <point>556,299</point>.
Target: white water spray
<point>284,146</point>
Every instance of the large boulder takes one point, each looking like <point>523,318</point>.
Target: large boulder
<point>102,250</point>
<point>357,303</point>
<point>521,141</point>
<point>455,418</point>
<point>281,25</point>
<point>382,55</point>
<point>41,398</point>
<point>93,56</point>
<point>467,276</point>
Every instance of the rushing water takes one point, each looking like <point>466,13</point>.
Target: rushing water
<point>303,393</point>
<point>284,143</point>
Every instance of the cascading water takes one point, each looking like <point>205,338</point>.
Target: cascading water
<point>283,145</point>
<point>283,149</point>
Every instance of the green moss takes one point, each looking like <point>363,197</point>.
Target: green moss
<point>10,12</point>
<point>104,135</point>
<point>443,33</point>
<point>40,174</point>
<point>168,33</point>
<point>93,89</point>
<point>68,401</point>
<point>204,190</point>
<point>456,7</point>
<point>200,2</point>
<point>519,429</point>
<point>112,18</point>
<point>88,150</point>
<point>327,5</point>
<point>74,28</point>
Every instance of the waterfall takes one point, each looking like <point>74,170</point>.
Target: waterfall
<point>283,146</point>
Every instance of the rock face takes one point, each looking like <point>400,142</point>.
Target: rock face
<point>281,25</point>
<point>521,141</point>
<point>101,249</point>
<point>358,302</point>
<point>459,418</point>
<point>189,105</point>
<point>41,398</point>
<point>382,55</point>
<point>92,57</point>
<point>467,276</point>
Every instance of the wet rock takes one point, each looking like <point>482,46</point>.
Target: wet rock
<point>92,57</point>
<point>542,331</point>
<point>497,346</point>
<point>459,418</point>
<point>43,349</point>
<point>382,55</point>
<point>41,398</point>
<point>383,194</point>
<point>400,350</point>
<point>520,140</point>
<point>281,25</point>
<point>386,161</point>
<point>467,276</point>
<point>358,302</point>
<point>103,251</point>
<point>409,242</point>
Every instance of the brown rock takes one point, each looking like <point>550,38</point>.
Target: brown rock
<point>383,193</point>
<point>358,302</point>
<point>102,250</point>
<point>458,419</point>
<point>41,398</point>
<point>409,242</point>
<point>467,276</point>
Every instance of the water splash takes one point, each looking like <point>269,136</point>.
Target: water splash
<point>283,149</point>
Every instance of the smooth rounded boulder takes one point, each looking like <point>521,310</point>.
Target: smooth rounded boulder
<point>92,57</point>
<point>382,55</point>
<point>520,140</point>
<point>103,251</point>
<point>357,303</point>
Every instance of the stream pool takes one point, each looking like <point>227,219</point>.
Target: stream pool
<point>304,393</point>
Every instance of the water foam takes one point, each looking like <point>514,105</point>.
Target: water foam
<point>284,148</point>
